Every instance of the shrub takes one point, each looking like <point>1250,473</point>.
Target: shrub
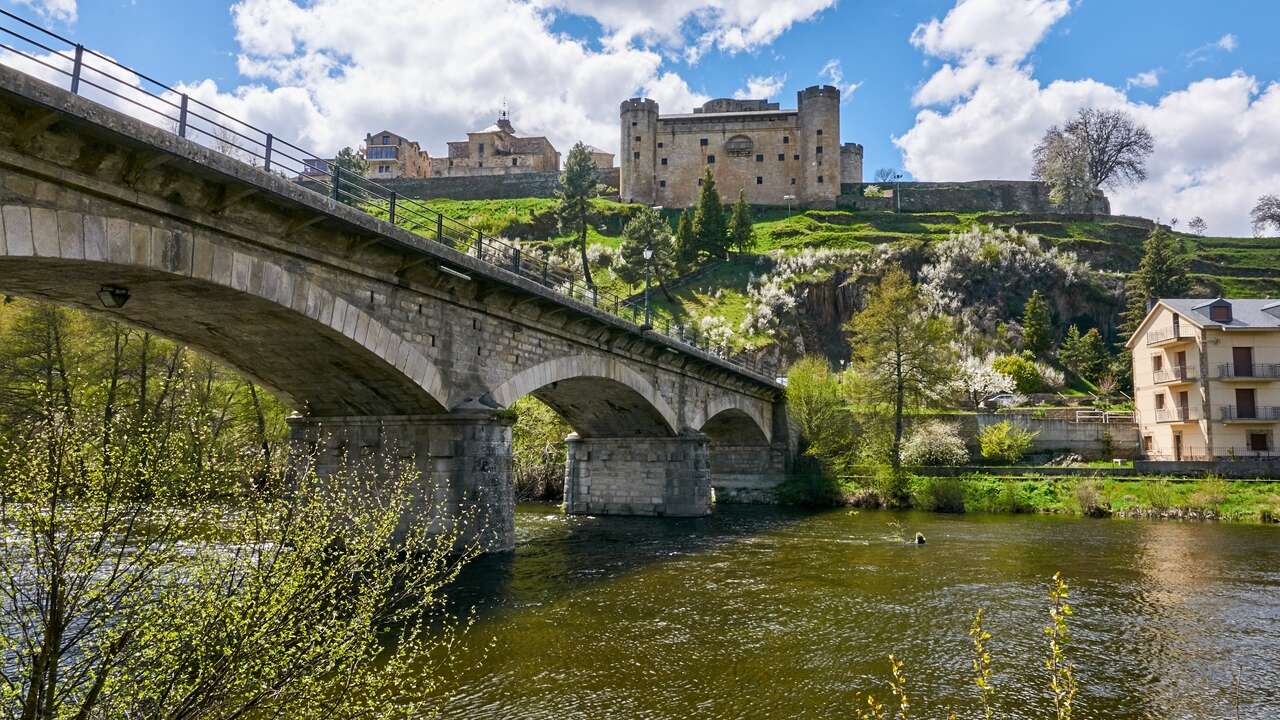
<point>1209,493</point>
<point>893,486</point>
<point>934,443</point>
<point>809,489</point>
<point>1024,372</point>
<point>1160,495</point>
<point>1004,442</point>
<point>940,494</point>
<point>1010,499</point>
<point>1089,498</point>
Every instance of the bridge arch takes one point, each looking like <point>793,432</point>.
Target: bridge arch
<point>597,396</point>
<point>275,325</point>
<point>734,420</point>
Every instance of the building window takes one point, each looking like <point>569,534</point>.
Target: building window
<point>636,155</point>
<point>793,181</point>
<point>699,182</point>
<point>819,179</point>
<point>1157,363</point>
<point>664,161</point>
<point>480,164</point>
<point>1258,442</point>
<point>786,139</point>
<point>633,123</point>
<point>759,180</point>
<point>662,183</point>
<point>481,149</point>
<point>797,156</point>
<point>386,139</point>
<point>1147,443</point>
<point>450,163</point>
<point>659,146</point>
<point>818,151</point>
<point>711,159</point>
<point>637,138</point>
<point>782,156</point>
<point>515,161</point>
<point>1220,313</point>
<point>759,157</point>
<point>703,142</point>
<point>819,132</point>
<point>1159,401</point>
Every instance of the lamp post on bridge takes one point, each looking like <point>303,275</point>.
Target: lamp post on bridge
<point>648,277</point>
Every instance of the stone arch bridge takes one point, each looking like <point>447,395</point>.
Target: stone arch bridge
<point>382,339</point>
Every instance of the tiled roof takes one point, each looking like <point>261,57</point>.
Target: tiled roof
<point>1245,313</point>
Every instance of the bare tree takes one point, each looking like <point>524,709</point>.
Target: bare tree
<point>1266,213</point>
<point>1097,149</point>
<point>888,175</point>
<point>1198,226</point>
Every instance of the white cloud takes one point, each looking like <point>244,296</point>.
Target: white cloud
<point>58,10</point>
<point>834,74</point>
<point>1148,79</point>
<point>694,26</point>
<point>1217,140</point>
<point>761,87</point>
<point>1227,42</point>
<point>1003,30</point>
<point>323,73</point>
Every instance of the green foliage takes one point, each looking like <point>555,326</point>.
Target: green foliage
<point>1090,498</point>
<point>710,231</point>
<point>1162,273</point>
<point>579,182</point>
<point>537,450</point>
<point>939,494</point>
<point>1005,442</point>
<point>934,442</point>
<point>686,241</point>
<point>1084,354</point>
<point>817,401</point>
<point>741,229</point>
<point>1062,681</point>
<point>1022,370</point>
<point>1037,329</point>
<point>902,355</point>
<point>647,231</point>
<point>352,161</point>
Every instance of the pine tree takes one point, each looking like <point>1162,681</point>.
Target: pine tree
<point>686,241</point>
<point>578,184</point>
<point>1084,354</point>
<point>709,225</point>
<point>1037,333</point>
<point>741,231</point>
<point>647,230</point>
<point>1162,273</point>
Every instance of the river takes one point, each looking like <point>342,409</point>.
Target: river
<point>761,612</point>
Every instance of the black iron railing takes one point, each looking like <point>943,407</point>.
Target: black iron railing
<point>56,59</point>
<point>1177,373</point>
<point>1267,413</point>
<point>1252,371</point>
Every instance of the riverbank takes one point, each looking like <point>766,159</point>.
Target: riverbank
<point>1151,497</point>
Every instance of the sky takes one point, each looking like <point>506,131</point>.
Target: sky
<point>944,89</point>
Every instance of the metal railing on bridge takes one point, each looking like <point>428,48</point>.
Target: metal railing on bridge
<point>53,58</point>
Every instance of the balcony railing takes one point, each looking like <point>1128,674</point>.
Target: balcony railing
<point>1253,371</point>
<point>1177,414</point>
<point>1261,413</point>
<point>1160,335</point>
<point>56,59</point>
<point>1176,374</point>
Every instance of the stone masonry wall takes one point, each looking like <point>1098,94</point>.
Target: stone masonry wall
<point>662,477</point>
<point>975,196</point>
<point>485,187</point>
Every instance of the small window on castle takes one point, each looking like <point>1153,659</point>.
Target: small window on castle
<point>796,156</point>
<point>664,161</point>
<point>786,139</point>
<point>515,161</point>
<point>703,142</point>
<point>480,164</point>
<point>699,182</point>
<point>782,156</point>
<point>793,181</point>
<point>759,180</point>
<point>819,178</point>
<point>637,138</point>
<point>481,149</point>
<point>819,131</point>
<point>711,159</point>
<point>636,155</point>
<point>633,123</point>
<point>659,146</point>
<point>819,150</point>
<point>759,157</point>
<point>662,183</point>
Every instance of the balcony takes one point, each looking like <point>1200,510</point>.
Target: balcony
<point>1255,414</point>
<point>1175,375</point>
<point>1177,414</point>
<point>1253,372</point>
<point>1168,336</point>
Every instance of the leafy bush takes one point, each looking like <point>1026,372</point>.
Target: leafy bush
<point>1089,498</point>
<point>1010,499</point>
<point>1024,372</point>
<point>934,443</point>
<point>1160,494</point>
<point>1209,494</point>
<point>1005,442</point>
<point>893,486</point>
<point>940,494</point>
<point>809,489</point>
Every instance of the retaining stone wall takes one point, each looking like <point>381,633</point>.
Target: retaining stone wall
<point>976,196</point>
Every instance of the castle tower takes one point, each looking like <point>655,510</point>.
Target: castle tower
<point>819,110</point>
<point>639,146</point>
<point>850,163</point>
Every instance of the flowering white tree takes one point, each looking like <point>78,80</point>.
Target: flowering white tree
<point>977,379</point>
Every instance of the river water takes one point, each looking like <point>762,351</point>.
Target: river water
<point>766,613</point>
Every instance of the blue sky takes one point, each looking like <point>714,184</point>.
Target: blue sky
<point>967,101</point>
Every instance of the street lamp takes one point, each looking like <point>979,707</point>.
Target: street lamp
<point>788,198</point>
<point>648,276</point>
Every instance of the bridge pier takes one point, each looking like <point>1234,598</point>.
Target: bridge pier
<point>656,476</point>
<point>463,460</point>
<point>747,473</point>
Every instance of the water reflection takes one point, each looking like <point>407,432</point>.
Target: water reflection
<point>757,613</point>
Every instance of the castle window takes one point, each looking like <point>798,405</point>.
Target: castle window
<point>480,164</point>
<point>819,178</point>
<point>797,156</point>
<point>759,180</point>
<point>662,183</point>
<point>633,123</point>
<point>664,161</point>
<point>659,146</point>
<point>637,138</point>
<point>711,159</point>
<point>739,146</point>
<point>819,131</point>
<point>515,161</point>
<point>786,139</point>
<point>759,157</point>
<point>699,182</point>
<point>782,156</point>
<point>702,142</point>
<point>819,150</point>
<point>793,181</point>
<point>636,155</point>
